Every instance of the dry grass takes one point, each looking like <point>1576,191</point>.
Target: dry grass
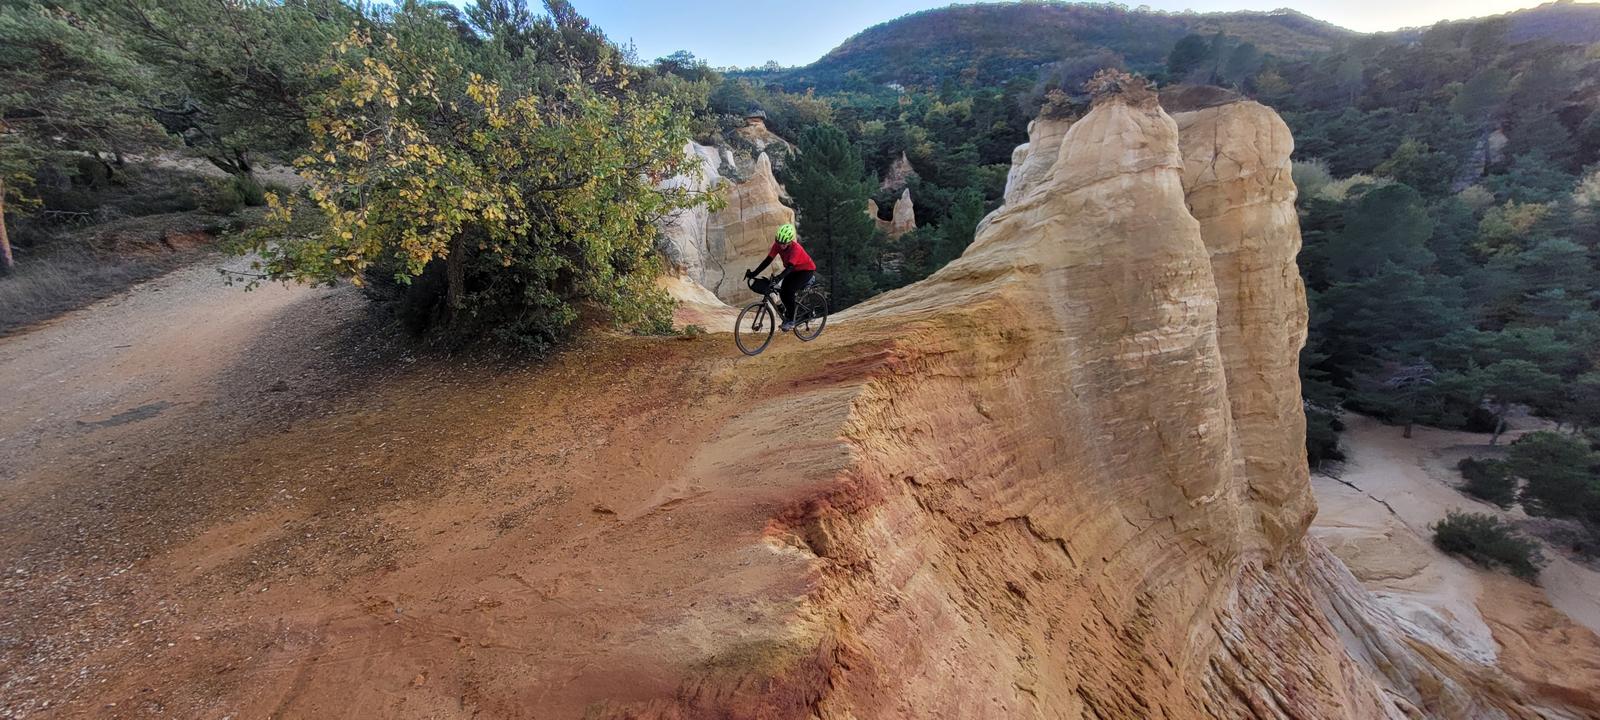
<point>70,275</point>
<point>97,235</point>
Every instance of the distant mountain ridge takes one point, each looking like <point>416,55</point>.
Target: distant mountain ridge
<point>996,41</point>
<point>992,43</point>
<point>1564,22</point>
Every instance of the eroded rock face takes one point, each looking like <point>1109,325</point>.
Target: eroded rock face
<point>713,249</point>
<point>1105,561</point>
<point>762,140</point>
<point>903,215</point>
<point>740,234</point>
<point>1237,185</point>
<point>898,175</point>
<point>683,235</point>
<point>1031,162</point>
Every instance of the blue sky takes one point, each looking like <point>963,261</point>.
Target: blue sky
<point>795,32</point>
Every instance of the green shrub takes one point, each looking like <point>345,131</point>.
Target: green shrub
<point>1560,474</point>
<point>1488,541</point>
<point>250,190</point>
<point>543,221</point>
<point>1322,438</point>
<point>222,196</point>
<point>1489,481</point>
<point>225,196</point>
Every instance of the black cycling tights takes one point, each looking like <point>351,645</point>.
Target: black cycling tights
<point>793,283</point>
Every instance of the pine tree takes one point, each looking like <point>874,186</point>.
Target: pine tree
<point>1513,382</point>
<point>66,90</point>
<point>244,84</point>
<point>1388,224</point>
<point>1559,470</point>
<point>830,187</point>
<point>1188,55</point>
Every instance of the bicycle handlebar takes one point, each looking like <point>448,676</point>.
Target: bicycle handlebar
<point>771,280</point>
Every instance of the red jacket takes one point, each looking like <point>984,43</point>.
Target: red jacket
<point>794,257</point>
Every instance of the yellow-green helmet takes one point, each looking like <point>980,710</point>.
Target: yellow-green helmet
<point>785,234</point>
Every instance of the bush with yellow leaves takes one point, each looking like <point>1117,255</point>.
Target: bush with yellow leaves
<point>517,203</point>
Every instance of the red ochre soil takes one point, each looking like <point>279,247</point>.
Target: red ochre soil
<point>400,537</point>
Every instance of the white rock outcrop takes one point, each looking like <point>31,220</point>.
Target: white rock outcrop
<point>713,248</point>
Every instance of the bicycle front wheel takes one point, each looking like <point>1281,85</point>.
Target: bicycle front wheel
<point>810,315</point>
<point>754,329</point>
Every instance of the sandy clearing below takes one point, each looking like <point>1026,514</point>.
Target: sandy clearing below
<point>1375,517</point>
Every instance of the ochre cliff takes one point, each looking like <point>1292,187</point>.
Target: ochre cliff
<point>903,215</point>
<point>1072,480</point>
<point>741,233</point>
<point>1060,478</point>
<point>898,174</point>
<point>1061,441</point>
<point>1032,160</point>
<point>1237,186</point>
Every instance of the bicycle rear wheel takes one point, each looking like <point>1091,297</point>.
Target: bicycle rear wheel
<point>754,328</point>
<point>810,315</point>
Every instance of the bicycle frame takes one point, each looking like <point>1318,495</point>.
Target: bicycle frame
<point>775,304</point>
<point>771,301</point>
<point>771,296</point>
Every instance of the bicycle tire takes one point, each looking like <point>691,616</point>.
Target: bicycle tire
<point>754,336</point>
<point>813,307</point>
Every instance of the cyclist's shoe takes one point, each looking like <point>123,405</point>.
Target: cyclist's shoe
<point>786,327</point>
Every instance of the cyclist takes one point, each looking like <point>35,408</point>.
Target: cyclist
<point>797,271</point>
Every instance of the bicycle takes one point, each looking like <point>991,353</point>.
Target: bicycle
<point>758,321</point>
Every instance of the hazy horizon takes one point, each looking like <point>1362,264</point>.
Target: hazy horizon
<point>752,32</point>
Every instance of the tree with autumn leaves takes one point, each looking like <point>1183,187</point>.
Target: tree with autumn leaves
<point>504,187</point>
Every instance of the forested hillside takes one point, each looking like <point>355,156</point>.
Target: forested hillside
<point>1449,177</point>
<point>990,43</point>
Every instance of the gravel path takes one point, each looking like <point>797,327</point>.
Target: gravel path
<point>102,409</point>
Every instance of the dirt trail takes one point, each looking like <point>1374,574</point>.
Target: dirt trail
<point>154,351</point>
<point>208,514</point>
<point>1375,517</point>
<point>105,410</point>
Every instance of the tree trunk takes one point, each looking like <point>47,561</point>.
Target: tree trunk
<point>455,273</point>
<point>6,263</point>
<point>237,165</point>
<point>1499,427</point>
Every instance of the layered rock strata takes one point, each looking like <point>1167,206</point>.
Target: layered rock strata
<point>1031,161</point>
<point>1091,504</point>
<point>713,248</point>
<point>1074,483</point>
<point>1237,184</point>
